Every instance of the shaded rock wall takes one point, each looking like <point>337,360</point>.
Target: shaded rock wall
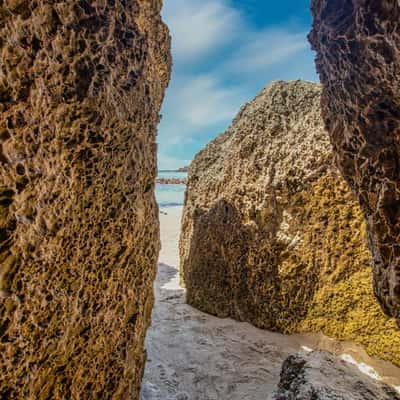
<point>81,86</point>
<point>272,235</point>
<point>358,59</point>
<point>322,376</point>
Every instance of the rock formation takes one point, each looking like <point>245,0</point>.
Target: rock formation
<point>272,235</point>
<point>358,59</point>
<point>322,376</point>
<point>81,87</point>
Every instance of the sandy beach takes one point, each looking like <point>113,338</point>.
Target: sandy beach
<point>195,356</point>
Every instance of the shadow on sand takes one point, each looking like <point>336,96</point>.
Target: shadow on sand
<point>193,355</point>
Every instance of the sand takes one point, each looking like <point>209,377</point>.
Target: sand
<point>195,356</point>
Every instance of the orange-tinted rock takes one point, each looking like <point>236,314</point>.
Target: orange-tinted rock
<point>81,88</point>
<point>358,59</point>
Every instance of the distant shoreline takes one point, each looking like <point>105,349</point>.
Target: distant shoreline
<point>170,171</point>
<point>171,181</point>
<point>178,176</point>
<point>182,169</point>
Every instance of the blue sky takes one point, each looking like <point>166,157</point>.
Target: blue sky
<point>225,52</point>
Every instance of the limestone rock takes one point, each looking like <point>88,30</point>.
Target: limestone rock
<point>322,376</point>
<point>358,59</point>
<point>81,87</point>
<point>272,235</point>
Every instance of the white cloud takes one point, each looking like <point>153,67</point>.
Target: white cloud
<point>200,101</point>
<point>199,27</point>
<point>267,48</point>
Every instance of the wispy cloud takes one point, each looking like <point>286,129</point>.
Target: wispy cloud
<point>267,48</point>
<point>198,101</point>
<point>220,61</point>
<point>170,162</point>
<point>199,28</point>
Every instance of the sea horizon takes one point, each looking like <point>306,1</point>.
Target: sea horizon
<point>170,195</point>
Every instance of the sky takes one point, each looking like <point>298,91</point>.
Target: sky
<point>224,52</point>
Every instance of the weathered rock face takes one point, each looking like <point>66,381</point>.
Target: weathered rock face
<point>272,235</point>
<point>358,46</point>
<point>81,86</point>
<point>322,376</point>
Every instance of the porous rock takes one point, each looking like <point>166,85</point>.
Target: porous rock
<point>358,59</point>
<point>81,87</point>
<point>322,376</point>
<point>271,233</point>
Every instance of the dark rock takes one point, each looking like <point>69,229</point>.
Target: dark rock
<point>358,59</point>
<point>322,376</point>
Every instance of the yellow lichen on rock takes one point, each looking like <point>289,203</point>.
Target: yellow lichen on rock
<point>348,310</point>
<point>343,304</point>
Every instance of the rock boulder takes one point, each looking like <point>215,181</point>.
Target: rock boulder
<point>81,87</point>
<point>322,376</point>
<point>272,235</point>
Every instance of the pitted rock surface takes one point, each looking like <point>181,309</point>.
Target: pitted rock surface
<point>81,87</point>
<point>358,59</point>
<point>271,233</point>
<point>322,376</point>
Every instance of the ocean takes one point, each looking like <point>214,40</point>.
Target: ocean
<point>170,195</point>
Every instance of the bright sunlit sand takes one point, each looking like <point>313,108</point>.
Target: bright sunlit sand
<point>195,356</point>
